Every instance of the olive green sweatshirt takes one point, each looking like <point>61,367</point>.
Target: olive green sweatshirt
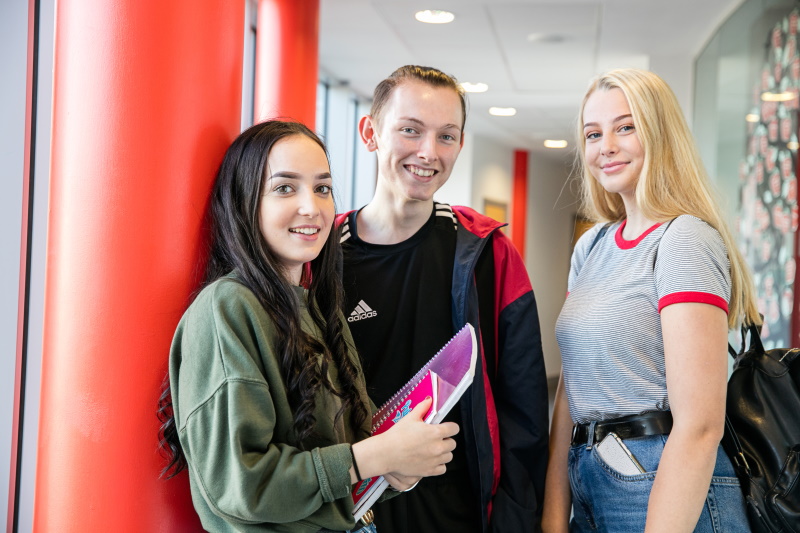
<point>234,422</point>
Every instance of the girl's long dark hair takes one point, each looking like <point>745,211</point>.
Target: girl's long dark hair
<point>237,245</point>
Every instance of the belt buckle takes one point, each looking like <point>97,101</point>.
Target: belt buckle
<point>574,431</point>
<point>368,518</point>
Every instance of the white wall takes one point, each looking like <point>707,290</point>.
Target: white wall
<point>552,205</point>
<point>493,170</point>
<point>458,188</point>
<point>678,72</point>
<point>366,167</point>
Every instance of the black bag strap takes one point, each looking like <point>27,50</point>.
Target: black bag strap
<point>733,353</point>
<point>733,447</point>
<point>755,339</point>
<point>655,255</point>
<point>599,236</point>
<point>730,440</point>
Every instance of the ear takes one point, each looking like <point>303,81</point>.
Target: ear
<point>367,130</point>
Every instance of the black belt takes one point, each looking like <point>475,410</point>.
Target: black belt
<point>626,427</point>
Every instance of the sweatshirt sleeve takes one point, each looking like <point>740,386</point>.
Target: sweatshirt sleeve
<point>229,416</point>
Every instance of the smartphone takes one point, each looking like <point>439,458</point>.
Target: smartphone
<point>616,455</point>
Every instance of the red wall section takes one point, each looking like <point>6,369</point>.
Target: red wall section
<point>287,60</point>
<point>519,205</point>
<point>147,96</point>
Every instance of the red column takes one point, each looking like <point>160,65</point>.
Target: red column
<point>287,60</point>
<point>519,200</point>
<point>147,96</point>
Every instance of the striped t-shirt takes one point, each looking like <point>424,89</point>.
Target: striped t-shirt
<point>609,330</point>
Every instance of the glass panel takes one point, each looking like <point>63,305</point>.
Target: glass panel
<point>746,82</point>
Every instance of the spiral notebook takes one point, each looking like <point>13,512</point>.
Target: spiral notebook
<point>444,378</point>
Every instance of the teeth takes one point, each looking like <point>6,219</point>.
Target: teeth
<point>421,172</point>
<point>305,231</point>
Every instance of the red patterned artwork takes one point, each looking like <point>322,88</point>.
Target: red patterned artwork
<point>768,218</point>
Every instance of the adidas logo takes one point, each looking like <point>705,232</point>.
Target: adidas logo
<point>361,312</point>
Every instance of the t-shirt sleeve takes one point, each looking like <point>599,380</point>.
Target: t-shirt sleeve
<point>692,265</point>
<point>582,249</point>
<point>244,475</point>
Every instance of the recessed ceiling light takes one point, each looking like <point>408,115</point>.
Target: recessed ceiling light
<point>434,16</point>
<point>551,38</point>
<point>502,111</point>
<point>777,97</point>
<point>474,87</point>
<point>792,145</point>
<point>551,143</point>
<point>751,117</point>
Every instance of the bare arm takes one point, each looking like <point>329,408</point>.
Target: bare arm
<point>695,340</point>
<point>557,497</point>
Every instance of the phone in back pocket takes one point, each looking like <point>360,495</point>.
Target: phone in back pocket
<point>616,455</point>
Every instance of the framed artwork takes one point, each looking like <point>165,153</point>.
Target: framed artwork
<point>579,228</point>
<point>496,210</point>
<point>769,215</point>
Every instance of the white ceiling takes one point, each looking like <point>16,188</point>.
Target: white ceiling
<point>363,41</point>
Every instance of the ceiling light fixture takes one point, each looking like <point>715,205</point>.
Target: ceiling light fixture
<point>550,38</point>
<point>551,143</point>
<point>777,97</point>
<point>751,117</point>
<point>434,16</point>
<point>474,87</point>
<point>502,111</point>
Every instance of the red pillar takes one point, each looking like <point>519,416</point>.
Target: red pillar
<point>519,201</point>
<point>287,60</point>
<point>147,96</point>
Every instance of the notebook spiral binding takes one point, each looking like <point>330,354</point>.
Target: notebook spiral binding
<point>393,403</point>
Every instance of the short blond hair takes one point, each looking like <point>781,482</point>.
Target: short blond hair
<point>673,181</point>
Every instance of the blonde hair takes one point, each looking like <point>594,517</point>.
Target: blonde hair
<point>673,181</point>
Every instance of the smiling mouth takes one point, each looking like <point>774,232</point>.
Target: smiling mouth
<point>305,231</point>
<point>615,165</point>
<point>421,171</point>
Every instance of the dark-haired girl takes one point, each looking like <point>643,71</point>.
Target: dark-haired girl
<point>269,411</point>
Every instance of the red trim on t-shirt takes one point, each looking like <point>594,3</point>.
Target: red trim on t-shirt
<point>693,297</point>
<point>627,245</point>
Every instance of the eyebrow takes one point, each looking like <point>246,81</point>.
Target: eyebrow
<point>296,176</point>
<point>621,117</point>
<point>421,123</point>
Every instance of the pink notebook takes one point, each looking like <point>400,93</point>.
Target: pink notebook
<point>400,408</point>
<point>444,378</point>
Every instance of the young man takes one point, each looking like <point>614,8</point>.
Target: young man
<point>415,271</point>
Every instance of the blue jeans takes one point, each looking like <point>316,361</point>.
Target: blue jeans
<point>605,500</point>
<point>366,529</point>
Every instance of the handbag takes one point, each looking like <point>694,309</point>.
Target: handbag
<point>762,433</point>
